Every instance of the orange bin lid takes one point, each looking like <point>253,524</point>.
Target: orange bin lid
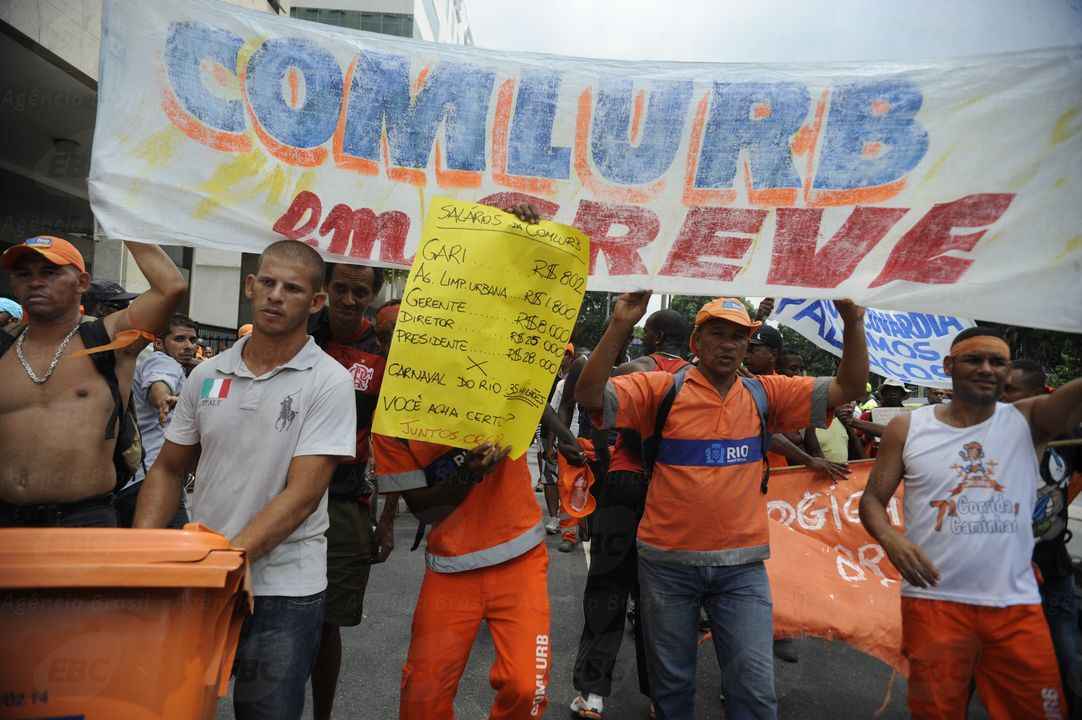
<point>97,557</point>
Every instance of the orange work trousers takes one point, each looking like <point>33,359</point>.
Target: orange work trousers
<point>513,598</point>
<point>1007,651</point>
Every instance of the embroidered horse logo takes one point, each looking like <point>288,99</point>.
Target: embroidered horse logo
<point>286,415</point>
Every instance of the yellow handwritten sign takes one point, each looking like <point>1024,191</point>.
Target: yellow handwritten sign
<point>488,309</point>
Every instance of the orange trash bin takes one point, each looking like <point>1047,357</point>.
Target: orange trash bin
<point>102,624</point>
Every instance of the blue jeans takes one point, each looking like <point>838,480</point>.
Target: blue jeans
<point>737,600</point>
<point>1061,611</point>
<point>278,645</point>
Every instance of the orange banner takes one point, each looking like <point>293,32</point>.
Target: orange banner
<point>829,577</point>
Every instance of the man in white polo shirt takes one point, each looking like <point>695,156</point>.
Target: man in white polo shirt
<point>265,424</point>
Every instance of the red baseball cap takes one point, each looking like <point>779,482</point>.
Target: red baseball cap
<point>726,308</point>
<point>56,250</point>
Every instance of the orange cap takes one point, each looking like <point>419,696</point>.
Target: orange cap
<point>726,308</point>
<point>569,348</point>
<point>56,250</point>
<point>245,329</point>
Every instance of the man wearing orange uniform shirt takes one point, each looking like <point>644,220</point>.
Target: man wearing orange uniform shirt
<point>613,569</point>
<point>709,465</point>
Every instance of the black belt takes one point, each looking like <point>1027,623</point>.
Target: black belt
<point>49,514</point>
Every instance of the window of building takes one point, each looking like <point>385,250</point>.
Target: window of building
<point>387,23</point>
<point>433,18</point>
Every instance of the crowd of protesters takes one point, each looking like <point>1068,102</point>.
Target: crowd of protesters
<point>272,437</point>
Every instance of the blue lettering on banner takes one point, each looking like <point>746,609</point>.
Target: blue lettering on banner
<point>871,135</point>
<point>529,145</point>
<point>311,123</point>
<point>907,346</point>
<point>710,453</point>
<point>454,93</point>
<point>815,311</point>
<point>186,47</point>
<point>758,117</point>
<point>616,158</point>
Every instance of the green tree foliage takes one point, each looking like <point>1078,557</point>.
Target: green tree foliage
<point>817,362</point>
<point>1059,353</point>
<point>688,305</point>
<point>593,317</point>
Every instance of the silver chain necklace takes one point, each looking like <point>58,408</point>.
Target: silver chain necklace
<point>56,356</point>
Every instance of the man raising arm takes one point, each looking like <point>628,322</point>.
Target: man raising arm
<point>65,476</point>
<point>708,465</point>
<point>970,605</point>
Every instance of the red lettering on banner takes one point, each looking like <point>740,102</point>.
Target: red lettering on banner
<point>920,256</point>
<point>621,251</point>
<point>699,240</point>
<point>353,232</point>
<point>290,226</point>
<point>505,200</point>
<point>358,230</point>
<point>796,259</point>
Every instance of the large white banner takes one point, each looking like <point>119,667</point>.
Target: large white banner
<point>906,346</point>
<point>940,187</point>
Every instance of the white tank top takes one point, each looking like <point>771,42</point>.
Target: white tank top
<point>969,495</point>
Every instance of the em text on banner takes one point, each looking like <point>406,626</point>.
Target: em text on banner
<point>488,308</point>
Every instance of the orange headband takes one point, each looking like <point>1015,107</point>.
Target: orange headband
<point>988,344</point>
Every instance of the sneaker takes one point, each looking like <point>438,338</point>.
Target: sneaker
<point>552,526</point>
<point>566,546</point>
<point>591,707</point>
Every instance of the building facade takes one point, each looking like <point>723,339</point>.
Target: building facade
<point>49,51</point>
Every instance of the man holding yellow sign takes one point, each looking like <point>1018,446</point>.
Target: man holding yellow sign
<point>489,305</point>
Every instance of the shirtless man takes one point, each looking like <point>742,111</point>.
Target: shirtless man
<point>57,415</point>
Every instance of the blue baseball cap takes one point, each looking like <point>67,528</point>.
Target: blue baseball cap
<point>12,308</point>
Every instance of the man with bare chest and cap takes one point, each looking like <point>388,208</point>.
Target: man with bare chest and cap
<point>59,416</point>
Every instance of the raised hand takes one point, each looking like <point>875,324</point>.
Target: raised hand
<point>630,307</point>
<point>765,308</point>
<point>850,311</point>
<point>526,213</point>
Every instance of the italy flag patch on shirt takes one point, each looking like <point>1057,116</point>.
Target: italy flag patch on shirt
<point>215,389</point>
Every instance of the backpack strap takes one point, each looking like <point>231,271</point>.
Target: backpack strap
<point>7,340</point>
<point>652,444</point>
<point>758,393</point>
<point>95,334</point>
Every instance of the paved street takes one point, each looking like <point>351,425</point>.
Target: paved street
<point>830,681</point>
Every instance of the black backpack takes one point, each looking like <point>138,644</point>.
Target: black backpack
<point>128,455</point>
<point>652,444</point>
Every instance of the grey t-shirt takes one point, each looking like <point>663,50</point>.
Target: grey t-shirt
<point>250,429</point>
<point>149,369</point>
